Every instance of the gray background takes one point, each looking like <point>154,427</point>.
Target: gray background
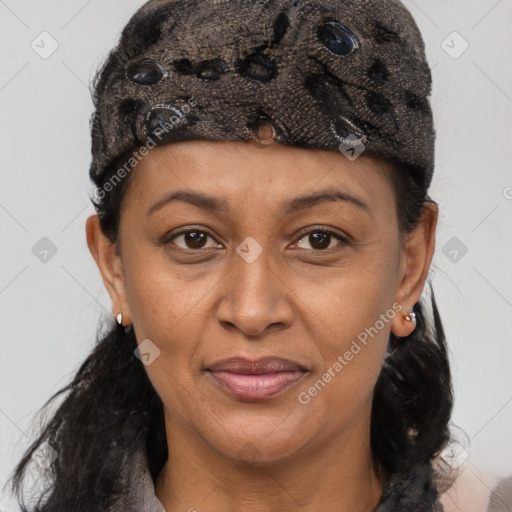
<point>50,310</point>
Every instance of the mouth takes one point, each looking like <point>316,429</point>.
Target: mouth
<point>256,380</point>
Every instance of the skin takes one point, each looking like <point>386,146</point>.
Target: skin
<point>301,302</point>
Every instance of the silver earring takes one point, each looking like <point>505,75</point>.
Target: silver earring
<point>411,317</point>
<point>119,319</point>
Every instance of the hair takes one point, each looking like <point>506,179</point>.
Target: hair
<point>110,407</point>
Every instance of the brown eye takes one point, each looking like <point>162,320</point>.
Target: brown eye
<point>191,239</point>
<point>320,240</point>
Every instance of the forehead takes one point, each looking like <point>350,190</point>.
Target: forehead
<point>239,171</point>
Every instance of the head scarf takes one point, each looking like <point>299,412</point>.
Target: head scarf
<point>349,76</point>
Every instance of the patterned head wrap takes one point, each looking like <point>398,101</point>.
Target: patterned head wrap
<point>345,75</point>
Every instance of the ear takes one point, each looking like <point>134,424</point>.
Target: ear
<point>414,267</point>
<point>110,266</point>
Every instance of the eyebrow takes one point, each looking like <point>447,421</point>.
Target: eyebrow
<point>214,204</point>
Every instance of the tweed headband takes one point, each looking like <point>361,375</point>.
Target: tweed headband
<point>344,75</point>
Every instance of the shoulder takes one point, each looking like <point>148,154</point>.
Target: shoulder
<point>474,490</point>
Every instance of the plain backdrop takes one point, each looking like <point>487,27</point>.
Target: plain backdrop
<point>50,309</point>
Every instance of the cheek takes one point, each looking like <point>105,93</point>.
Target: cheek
<point>170,312</point>
<point>167,310</point>
<point>160,297</point>
<point>354,311</point>
<point>350,299</point>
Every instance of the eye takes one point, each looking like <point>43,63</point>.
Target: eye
<point>192,239</point>
<point>320,239</point>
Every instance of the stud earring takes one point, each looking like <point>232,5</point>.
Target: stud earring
<point>119,319</point>
<point>411,317</point>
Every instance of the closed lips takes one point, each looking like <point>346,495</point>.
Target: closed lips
<point>256,380</point>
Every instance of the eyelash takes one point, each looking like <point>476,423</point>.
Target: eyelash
<point>315,229</point>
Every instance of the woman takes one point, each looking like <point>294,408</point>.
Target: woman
<point>265,233</point>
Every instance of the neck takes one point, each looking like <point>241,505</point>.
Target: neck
<point>335,475</point>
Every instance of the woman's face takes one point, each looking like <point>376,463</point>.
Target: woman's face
<point>262,277</point>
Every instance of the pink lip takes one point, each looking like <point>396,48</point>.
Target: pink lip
<point>256,380</point>
<point>256,387</point>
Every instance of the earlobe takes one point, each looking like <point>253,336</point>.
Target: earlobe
<point>404,323</point>
<point>110,266</point>
<point>418,254</point>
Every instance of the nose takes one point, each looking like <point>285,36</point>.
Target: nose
<point>255,299</point>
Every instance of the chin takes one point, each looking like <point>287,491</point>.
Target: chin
<point>259,449</point>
